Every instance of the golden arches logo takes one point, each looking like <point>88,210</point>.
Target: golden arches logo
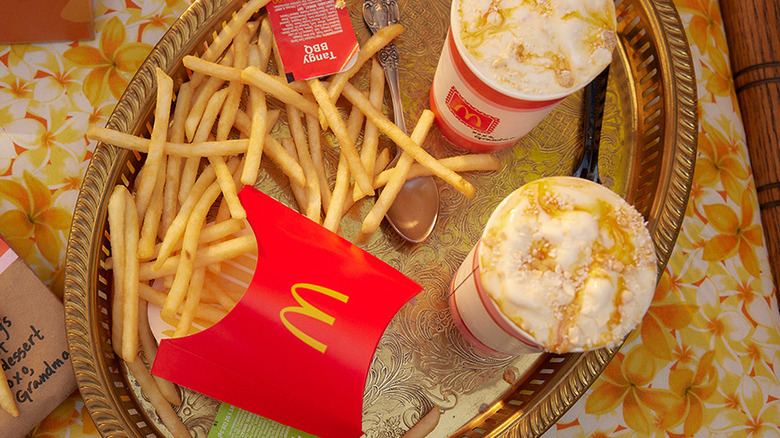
<point>309,310</point>
<point>467,115</point>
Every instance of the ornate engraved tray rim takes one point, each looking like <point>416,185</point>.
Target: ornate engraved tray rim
<point>663,172</point>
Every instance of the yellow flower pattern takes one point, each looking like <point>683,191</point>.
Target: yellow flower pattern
<point>111,63</point>
<point>703,361</point>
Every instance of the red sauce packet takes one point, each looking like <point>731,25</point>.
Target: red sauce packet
<point>298,346</point>
<point>314,37</point>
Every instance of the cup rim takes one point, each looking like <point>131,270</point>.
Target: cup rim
<point>466,56</point>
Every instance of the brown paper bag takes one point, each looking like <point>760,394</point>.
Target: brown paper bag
<point>33,350</point>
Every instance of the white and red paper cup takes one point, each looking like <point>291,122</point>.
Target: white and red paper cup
<point>475,112</point>
<point>479,319</point>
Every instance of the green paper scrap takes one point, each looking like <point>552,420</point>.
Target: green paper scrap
<point>233,422</point>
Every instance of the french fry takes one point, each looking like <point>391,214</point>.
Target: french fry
<point>7,401</point>
<point>191,165</point>
<point>252,76</point>
<point>214,253</point>
<point>223,214</point>
<point>300,86</point>
<point>337,201</point>
<point>222,72</point>
<point>244,122</point>
<point>354,126</point>
<point>362,179</point>
<point>405,143</point>
<point>221,230</point>
<point>284,160</point>
<point>212,69</point>
<point>184,270</point>
<point>151,221</point>
<point>239,272</point>
<point>208,296</point>
<point>257,130</point>
<point>180,111</point>
<point>157,141</point>
<point>179,224</point>
<point>211,233</point>
<point>161,405</point>
<point>278,60</point>
<point>355,123</point>
<point>265,43</point>
<point>139,144</point>
<point>130,295</point>
<point>228,32</point>
<point>138,178</point>
<point>220,295</point>
<point>380,39</point>
<point>210,314</point>
<point>228,187</point>
<point>371,132</point>
<point>313,205</point>
<point>374,217</point>
<point>235,88</point>
<point>173,166</point>
<point>210,113</point>
<point>299,192</point>
<point>149,345</point>
<point>191,303</point>
<point>233,290</point>
<point>116,225</point>
<point>382,160</point>
<point>201,98</point>
<point>461,163</point>
<point>315,150</point>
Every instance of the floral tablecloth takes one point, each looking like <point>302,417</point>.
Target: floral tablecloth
<point>701,363</point>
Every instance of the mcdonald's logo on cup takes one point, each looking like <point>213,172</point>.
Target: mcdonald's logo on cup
<point>468,115</point>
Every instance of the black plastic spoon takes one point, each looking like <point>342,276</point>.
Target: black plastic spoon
<point>595,96</point>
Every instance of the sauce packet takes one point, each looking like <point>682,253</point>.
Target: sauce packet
<point>314,37</point>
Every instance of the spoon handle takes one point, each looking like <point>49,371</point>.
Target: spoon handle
<point>388,59</point>
<point>378,14</point>
<point>595,96</point>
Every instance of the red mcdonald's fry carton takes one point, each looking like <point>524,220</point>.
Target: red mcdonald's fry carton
<point>304,333</point>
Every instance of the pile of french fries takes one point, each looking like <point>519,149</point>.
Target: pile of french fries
<point>172,231</point>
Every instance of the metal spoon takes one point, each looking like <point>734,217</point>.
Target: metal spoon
<point>416,208</point>
<point>595,96</point>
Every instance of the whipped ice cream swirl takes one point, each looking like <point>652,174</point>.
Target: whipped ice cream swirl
<point>569,262</point>
<point>537,47</point>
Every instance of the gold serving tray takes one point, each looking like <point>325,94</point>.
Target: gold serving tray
<point>648,153</point>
